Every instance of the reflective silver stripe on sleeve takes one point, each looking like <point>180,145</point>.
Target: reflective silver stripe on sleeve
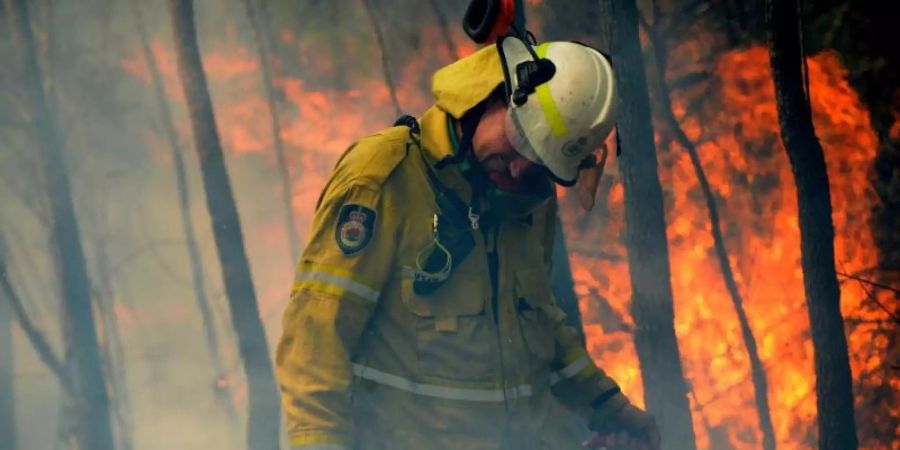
<point>570,371</point>
<point>341,282</point>
<point>445,392</point>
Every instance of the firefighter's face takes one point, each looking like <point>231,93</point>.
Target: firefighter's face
<point>504,165</point>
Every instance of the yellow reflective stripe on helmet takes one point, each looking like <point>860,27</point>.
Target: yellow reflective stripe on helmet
<point>571,370</point>
<point>322,279</point>
<point>545,100</point>
<point>444,392</point>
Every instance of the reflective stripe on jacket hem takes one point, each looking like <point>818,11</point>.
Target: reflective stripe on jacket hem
<point>445,392</point>
<point>465,394</point>
<point>318,447</point>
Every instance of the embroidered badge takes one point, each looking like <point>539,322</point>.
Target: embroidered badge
<point>355,226</point>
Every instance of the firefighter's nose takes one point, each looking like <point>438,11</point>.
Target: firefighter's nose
<point>519,167</point>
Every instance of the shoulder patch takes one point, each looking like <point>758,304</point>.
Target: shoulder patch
<point>355,226</point>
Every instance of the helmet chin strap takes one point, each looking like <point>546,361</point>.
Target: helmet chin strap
<point>560,181</point>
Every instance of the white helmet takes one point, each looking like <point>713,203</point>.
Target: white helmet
<point>566,119</point>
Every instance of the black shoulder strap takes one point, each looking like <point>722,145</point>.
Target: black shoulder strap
<point>457,237</point>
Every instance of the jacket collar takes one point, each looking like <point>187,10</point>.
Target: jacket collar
<point>437,145</point>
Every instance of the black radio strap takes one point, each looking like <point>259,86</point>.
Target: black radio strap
<point>454,230</point>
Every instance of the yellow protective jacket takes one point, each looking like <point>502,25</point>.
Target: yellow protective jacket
<point>366,363</point>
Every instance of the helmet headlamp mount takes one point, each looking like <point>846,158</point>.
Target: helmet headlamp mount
<point>531,74</point>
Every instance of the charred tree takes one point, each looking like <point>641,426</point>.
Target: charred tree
<point>264,407</point>
<point>265,48</point>
<point>758,373</point>
<point>569,19</point>
<point>93,429</point>
<point>198,276</point>
<point>111,344</point>
<point>665,388</point>
<point>7,363</point>
<point>834,388</point>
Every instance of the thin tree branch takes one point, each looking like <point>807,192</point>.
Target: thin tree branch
<point>869,282</point>
<point>760,383</point>
<point>874,299</point>
<point>257,19</point>
<point>35,336</point>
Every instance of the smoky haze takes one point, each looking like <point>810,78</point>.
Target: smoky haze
<point>172,371</point>
<point>166,389</point>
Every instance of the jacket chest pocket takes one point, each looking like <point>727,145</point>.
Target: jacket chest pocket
<point>534,302</point>
<point>454,337</point>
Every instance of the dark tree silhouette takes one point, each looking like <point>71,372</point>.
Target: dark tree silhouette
<point>198,276</point>
<point>111,346</point>
<point>445,29</point>
<point>665,388</point>
<point>758,372</point>
<point>264,407</point>
<point>93,429</point>
<point>385,62</point>
<point>837,425</point>
<point>7,403</point>
<point>35,337</point>
<point>265,47</point>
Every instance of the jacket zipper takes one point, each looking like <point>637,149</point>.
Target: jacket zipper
<point>492,237</point>
<point>493,268</point>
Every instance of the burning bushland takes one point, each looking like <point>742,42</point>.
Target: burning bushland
<point>327,66</point>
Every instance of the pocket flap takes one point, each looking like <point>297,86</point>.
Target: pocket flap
<point>533,285</point>
<point>461,295</point>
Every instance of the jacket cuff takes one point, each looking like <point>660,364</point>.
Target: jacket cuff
<point>320,440</point>
<point>611,403</point>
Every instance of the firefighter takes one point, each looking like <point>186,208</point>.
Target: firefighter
<point>421,316</point>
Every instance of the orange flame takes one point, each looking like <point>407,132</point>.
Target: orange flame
<point>745,162</point>
<point>741,151</point>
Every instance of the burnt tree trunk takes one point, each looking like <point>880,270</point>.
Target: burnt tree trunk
<point>7,363</point>
<point>834,389</point>
<point>665,389</point>
<point>569,19</point>
<point>198,276</point>
<point>757,371</point>
<point>91,402</point>
<point>113,351</point>
<point>264,408</point>
<point>265,47</point>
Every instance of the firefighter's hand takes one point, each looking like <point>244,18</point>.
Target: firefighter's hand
<point>629,429</point>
